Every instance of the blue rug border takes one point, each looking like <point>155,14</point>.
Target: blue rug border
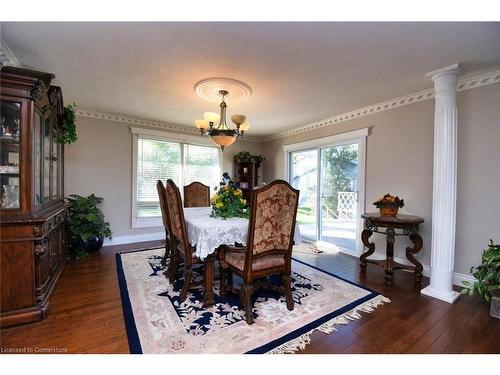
<point>134,343</point>
<point>133,335</point>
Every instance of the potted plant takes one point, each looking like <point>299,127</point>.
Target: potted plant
<point>246,157</point>
<point>86,225</point>
<point>68,128</point>
<point>487,274</point>
<point>389,204</point>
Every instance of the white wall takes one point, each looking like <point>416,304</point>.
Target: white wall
<point>100,162</point>
<point>400,161</point>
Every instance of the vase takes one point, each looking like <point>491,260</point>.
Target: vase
<point>389,211</point>
<point>495,306</point>
<point>94,244</point>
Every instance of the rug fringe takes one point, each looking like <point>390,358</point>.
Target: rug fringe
<point>300,342</point>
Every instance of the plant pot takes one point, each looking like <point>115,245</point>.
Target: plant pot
<point>93,245</point>
<point>495,306</point>
<point>389,211</point>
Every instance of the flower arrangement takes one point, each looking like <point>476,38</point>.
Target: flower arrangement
<point>228,202</point>
<point>389,204</point>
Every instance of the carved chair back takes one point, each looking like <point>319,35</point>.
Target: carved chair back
<point>176,217</point>
<point>272,222</point>
<point>196,194</point>
<point>163,204</point>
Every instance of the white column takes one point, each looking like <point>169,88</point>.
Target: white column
<point>444,190</point>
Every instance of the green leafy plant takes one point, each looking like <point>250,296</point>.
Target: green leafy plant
<point>68,128</point>
<point>85,223</point>
<point>245,156</point>
<point>228,202</point>
<point>487,274</point>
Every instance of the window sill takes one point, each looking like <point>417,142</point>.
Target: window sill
<point>147,222</point>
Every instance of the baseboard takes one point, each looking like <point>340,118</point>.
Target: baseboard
<point>458,278</point>
<point>120,240</point>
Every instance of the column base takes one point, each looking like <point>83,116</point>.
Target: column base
<point>449,297</point>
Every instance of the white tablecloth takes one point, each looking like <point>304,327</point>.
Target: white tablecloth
<point>208,233</point>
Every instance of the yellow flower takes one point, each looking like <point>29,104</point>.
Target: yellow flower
<point>243,201</point>
<point>219,205</point>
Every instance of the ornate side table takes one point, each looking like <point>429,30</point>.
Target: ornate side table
<point>408,226</point>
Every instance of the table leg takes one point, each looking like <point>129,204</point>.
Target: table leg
<point>208,281</point>
<point>365,235</point>
<point>389,261</point>
<point>411,251</point>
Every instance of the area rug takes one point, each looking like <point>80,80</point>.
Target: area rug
<point>158,323</point>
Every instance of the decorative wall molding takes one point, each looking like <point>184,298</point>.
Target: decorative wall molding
<point>149,123</point>
<point>462,85</point>
<point>7,57</point>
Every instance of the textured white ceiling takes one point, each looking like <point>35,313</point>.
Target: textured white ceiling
<point>299,72</point>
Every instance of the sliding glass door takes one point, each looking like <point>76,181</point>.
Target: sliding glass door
<point>304,177</point>
<point>339,195</point>
<point>327,178</point>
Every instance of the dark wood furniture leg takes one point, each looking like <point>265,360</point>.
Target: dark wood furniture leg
<point>208,280</point>
<point>389,261</point>
<point>411,251</point>
<point>365,235</point>
<point>246,300</point>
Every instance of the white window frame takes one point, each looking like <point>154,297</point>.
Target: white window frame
<point>358,136</point>
<point>141,133</point>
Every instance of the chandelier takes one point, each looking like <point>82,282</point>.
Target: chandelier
<point>222,135</point>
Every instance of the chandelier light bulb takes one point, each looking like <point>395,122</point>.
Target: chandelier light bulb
<point>201,124</point>
<point>244,127</point>
<point>211,117</point>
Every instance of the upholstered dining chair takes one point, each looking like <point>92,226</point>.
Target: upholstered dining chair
<point>269,244</point>
<point>164,215</point>
<point>179,243</point>
<point>196,195</point>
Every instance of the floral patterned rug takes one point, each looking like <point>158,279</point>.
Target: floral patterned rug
<point>157,322</point>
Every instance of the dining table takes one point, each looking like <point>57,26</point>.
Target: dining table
<point>207,234</point>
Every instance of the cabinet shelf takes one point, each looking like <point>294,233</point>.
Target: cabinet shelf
<point>8,169</point>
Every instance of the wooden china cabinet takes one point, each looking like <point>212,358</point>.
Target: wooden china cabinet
<point>246,174</point>
<point>33,214</point>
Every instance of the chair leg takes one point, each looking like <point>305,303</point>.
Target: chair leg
<point>187,283</point>
<point>167,253</point>
<point>222,288</point>
<point>230,278</point>
<point>173,266</point>
<point>287,287</point>
<point>246,300</point>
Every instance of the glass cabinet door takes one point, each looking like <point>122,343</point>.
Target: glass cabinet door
<point>10,131</point>
<point>37,155</point>
<point>47,148</point>
<point>55,164</point>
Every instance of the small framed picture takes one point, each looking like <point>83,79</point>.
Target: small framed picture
<point>244,185</point>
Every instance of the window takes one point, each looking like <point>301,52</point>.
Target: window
<point>158,156</point>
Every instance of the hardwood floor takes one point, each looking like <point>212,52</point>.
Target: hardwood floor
<point>86,315</point>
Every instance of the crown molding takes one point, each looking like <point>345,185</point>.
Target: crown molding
<point>149,123</point>
<point>7,56</point>
<point>462,85</point>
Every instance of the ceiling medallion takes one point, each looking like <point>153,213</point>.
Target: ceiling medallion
<point>222,135</point>
<point>209,89</point>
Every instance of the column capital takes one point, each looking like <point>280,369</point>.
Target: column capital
<point>454,69</point>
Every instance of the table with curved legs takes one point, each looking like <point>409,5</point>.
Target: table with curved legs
<point>407,225</point>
